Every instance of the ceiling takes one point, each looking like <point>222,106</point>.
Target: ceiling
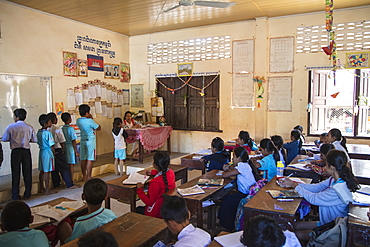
<point>135,17</point>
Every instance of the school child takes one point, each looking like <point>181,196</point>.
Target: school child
<point>164,180</point>
<point>119,135</point>
<point>318,166</point>
<point>279,142</point>
<point>219,156</point>
<point>293,146</point>
<point>332,195</point>
<point>20,134</point>
<point>97,238</point>
<point>176,215</point>
<point>94,193</point>
<point>335,137</point>
<point>46,143</point>
<point>88,140</point>
<point>129,122</point>
<point>301,137</point>
<point>61,165</point>
<point>270,157</point>
<point>247,175</point>
<point>70,146</point>
<point>15,219</point>
<point>245,141</point>
<point>264,231</point>
<point>322,139</point>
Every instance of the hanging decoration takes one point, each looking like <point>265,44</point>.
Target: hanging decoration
<point>259,89</point>
<point>334,95</point>
<point>174,89</point>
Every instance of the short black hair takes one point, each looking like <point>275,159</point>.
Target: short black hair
<point>296,134</point>
<point>43,119</point>
<point>298,127</point>
<point>174,208</point>
<point>83,109</point>
<point>65,116</point>
<point>325,148</point>
<point>218,143</point>
<point>262,231</point>
<point>97,238</point>
<point>15,215</point>
<point>20,113</point>
<point>52,116</point>
<point>95,191</point>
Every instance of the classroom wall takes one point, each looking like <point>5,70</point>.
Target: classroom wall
<point>32,43</point>
<point>258,122</point>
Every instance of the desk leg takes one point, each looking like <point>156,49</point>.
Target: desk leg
<point>141,152</point>
<point>211,221</point>
<point>169,144</point>
<point>185,177</point>
<point>200,215</point>
<point>107,202</point>
<point>133,201</point>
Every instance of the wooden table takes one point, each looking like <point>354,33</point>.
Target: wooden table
<point>359,151</point>
<point>194,202</point>
<point>361,170</point>
<point>134,229</point>
<point>191,163</point>
<point>127,193</point>
<point>316,178</point>
<point>358,230</point>
<point>263,204</point>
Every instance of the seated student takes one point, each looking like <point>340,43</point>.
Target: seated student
<point>335,137</point>
<point>94,192</point>
<point>301,137</point>
<point>15,219</point>
<point>293,146</point>
<point>247,175</point>
<point>264,231</point>
<point>270,157</point>
<point>97,238</point>
<point>176,215</point>
<point>279,142</point>
<point>245,141</point>
<point>163,181</point>
<point>322,139</point>
<point>219,156</point>
<point>332,195</point>
<point>318,166</point>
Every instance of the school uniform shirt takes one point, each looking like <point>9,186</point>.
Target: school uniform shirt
<point>292,149</point>
<point>339,146</point>
<point>216,161</point>
<point>119,140</point>
<point>69,135</point>
<point>130,124</point>
<point>332,197</point>
<point>245,179</point>
<point>24,237</point>
<point>191,236</point>
<point>45,141</point>
<point>291,239</point>
<point>19,135</point>
<point>268,164</point>
<point>87,127</point>
<point>245,146</point>
<point>58,135</point>
<point>282,158</point>
<point>153,200</point>
<point>90,222</point>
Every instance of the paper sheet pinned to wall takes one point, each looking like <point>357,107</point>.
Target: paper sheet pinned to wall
<point>71,101</point>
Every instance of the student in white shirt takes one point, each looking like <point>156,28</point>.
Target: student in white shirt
<point>176,215</point>
<point>20,134</point>
<point>335,137</point>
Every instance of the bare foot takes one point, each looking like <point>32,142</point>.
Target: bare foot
<point>75,186</point>
<point>49,192</point>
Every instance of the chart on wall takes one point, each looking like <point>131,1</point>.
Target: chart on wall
<point>281,54</point>
<point>243,66</point>
<point>280,94</point>
<point>137,95</point>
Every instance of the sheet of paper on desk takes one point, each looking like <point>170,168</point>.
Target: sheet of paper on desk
<point>204,152</point>
<point>197,157</point>
<point>38,219</point>
<point>361,199</point>
<point>297,180</point>
<point>300,166</point>
<point>135,178</point>
<point>230,240</point>
<point>71,204</point>
<point>364,190</point>
<point>57,214</point>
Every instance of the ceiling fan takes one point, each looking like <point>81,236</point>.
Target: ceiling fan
<point>201,3</point>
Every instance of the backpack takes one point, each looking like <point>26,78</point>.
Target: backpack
<point>332,234</point>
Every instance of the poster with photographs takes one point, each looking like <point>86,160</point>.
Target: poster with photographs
<point>69,63</point>
<point>82,67</point>
<point>107,70</point>
<point>115,71</point>
<point>124,72</point>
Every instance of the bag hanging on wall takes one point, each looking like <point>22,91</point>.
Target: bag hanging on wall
<point>333,234</point>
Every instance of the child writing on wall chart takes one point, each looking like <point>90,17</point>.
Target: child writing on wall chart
<point>119,135</point>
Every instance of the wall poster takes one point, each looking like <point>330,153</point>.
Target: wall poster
<point>280,94</point>
<point>281,54</point>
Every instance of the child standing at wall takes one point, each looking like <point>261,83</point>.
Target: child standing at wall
<point>70,146</point>
<point>88,140</point>
<point>45,141</point>
<point>219,156</point>
<point>119,135</point>
<point>293,147</point>
<point>268,162</point>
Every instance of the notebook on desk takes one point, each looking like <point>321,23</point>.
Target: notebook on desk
<point>211,181</point>
<point>284,194</point>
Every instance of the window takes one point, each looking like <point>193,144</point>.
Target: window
<point>187,109</point>
<point>344,106</point>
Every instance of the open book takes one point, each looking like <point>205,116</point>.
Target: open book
<point>135,178</point>
<point>190,191</point>
<point>230,240</point>
<point>62,210</point>
<point>211,181</point>
<point>284,194</point>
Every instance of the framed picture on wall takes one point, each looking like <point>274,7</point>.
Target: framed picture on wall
<point>82,67</point>
<point>107,70</point>
<point>124,72</point>
<point>115,70</point>
<point>69,63</point>
<point>184,69</point>
<point>358,60</point>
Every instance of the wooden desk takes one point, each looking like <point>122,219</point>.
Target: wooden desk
<point>359,151</point>
<point>263,204</point>
<point>358,230</point>
<point>134,229</point>
<point>316,178</point>
<point>127,193</point>
<point>361,170</point>
<point>191,163</point>
<point>194,202</point>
